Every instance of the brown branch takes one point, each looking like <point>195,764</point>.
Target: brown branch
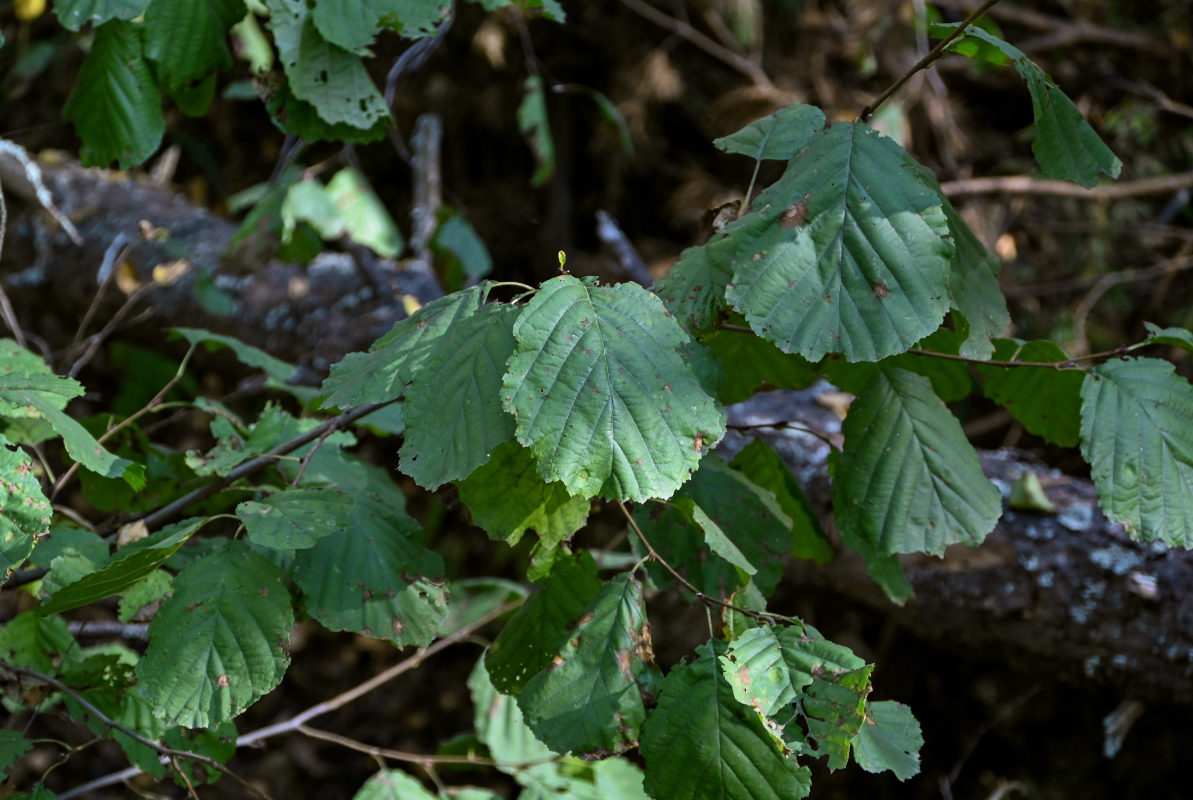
<point>707,599</point>
<point>1026,184</point>
<point>167,752</point>
<point>685,31</point>
<point>299,720</point>
<point>933,54</point>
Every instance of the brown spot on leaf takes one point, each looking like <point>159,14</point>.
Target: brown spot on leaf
<point>223,681</point>
<point>880,289</point>
<point>796,214</point>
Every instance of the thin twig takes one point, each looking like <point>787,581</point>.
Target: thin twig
<point>933,54</point>
<point>168,752</point>
<point>153,403</point>
<point>685,31</point>
<point>1069,363</point>
<point>786,425</point>
<point>6,310</point>
<point>1026,184</point>
<point>421,759</point>
<point>297,721</point>
<point>170,512</point>
<point>707,599</point>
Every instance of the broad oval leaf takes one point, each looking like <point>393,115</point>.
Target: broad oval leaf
<point>777,136</point>
<point>507,498</point>
<point>541,628</point>
<point>601,394</point>
<point>1066,147</point>
<point>132,564</point>
<point>293,519</point>
<point>453,418</point>
<point>187,39</point>
<point>218,644</point>
<point>115,106</point>
<point>907,479</point>
<point>1138,440</point>
<point>353,24</point>
<point>74,14</point>
<point>588,700</point>
<point>375,577</point>
<point>700,743</point>
<point>889,739</point>
<point>396,358</point>
<point>1046,401</point>
<point>330,78</point>
<point>854,256</point>
<point>393,784</point>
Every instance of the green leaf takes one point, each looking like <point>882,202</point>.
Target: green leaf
<point>280,372</point>
<point>700,743</point>
<point>507,498</point>
<point>974,287</point>
<point>235,445</point>
<point>759,462</point>
<point>129,566</point>
<point>834,709</point>
<point>533,122</point>
<point>1046,401</point>
<point>375,577</point>
<point>154,587</point>
<point>588,700</point>
<point>542,627</point>
<point>463,378</point>
<point>187,39</point>
<point>721,517</point>
<point>301,119</point>
<point>22,370</point>
<point>40,643</point>
<point>890,739</point>
<point>365,218</point>
<point>1066,147</point>
<point>601,395</point>
<point>81,445</point>
<point>694,288</point>
<point>74,14</point>
<point>457,239</point>
<point>753,364</point>
<point>1172,337</point>
<point>217,645</point>
<point>850,252</point>
<point>393,784</point>
<point>778,136</point>
<point>294,519</point>
<point>396,358</point>
<point>353,24</point>
<point>12,746</point>
<point>951,379</point>
<point>307,202</point>
<point>769,667</point>
<point>1136,436</point>
<point>500,726</point>
<point>907,479</point>
<point>27,512</point>
<point>328,77</point>
<point>115,105</point>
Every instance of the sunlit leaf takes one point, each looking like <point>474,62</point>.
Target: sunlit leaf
<point>777,136</point>
<point>452,415</point>
<point>601,395</point>
<point>847,253</point>
<point>889,739</point>
<point>1136,436</point>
